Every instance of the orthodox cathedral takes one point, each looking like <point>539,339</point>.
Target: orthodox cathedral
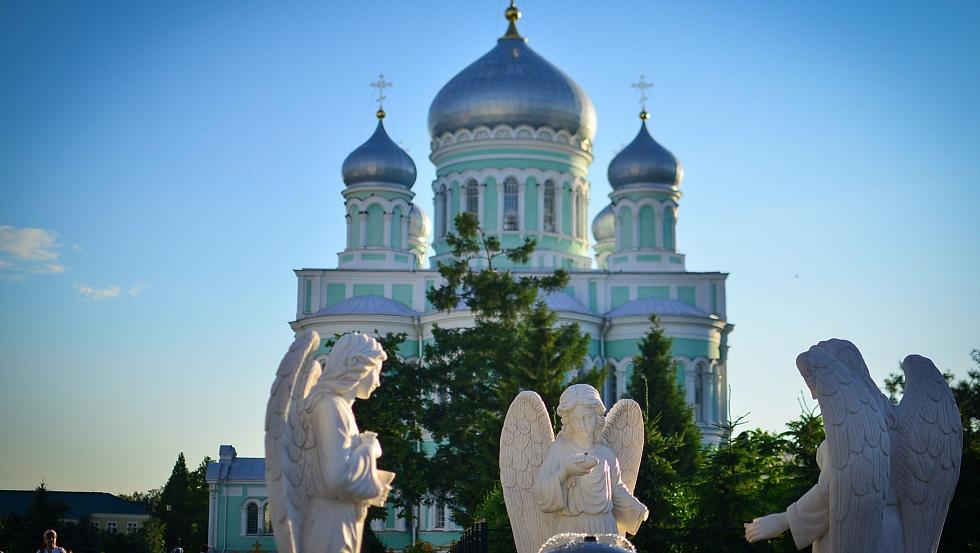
<point>511,141</point>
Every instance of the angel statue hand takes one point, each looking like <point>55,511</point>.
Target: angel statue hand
<point>766,528</point>
<point>370,440</point>
<point>580,465</point>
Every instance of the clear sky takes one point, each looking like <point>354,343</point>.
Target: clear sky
<point>165,166</point>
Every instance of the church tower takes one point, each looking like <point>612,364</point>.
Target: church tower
<point>385,230</point>
<point>637,231</point>
<point>512,143</point>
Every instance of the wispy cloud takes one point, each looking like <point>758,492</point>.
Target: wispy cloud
<point>28,251</point>
<point>29,243</point>
<point>96,293</point>
<point>109,291</point>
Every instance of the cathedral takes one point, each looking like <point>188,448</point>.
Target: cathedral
<point>511,141</point>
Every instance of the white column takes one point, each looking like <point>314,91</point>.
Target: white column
<point>212,516</point>
<point>386,238</point>
<point>362,220</point>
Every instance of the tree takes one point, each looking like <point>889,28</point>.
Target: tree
<point>394,411</point>
<point>514,344</point>
<point>175,508</point>
<point>197,506</point>
<point>654,386</point>
<point>23,532</point>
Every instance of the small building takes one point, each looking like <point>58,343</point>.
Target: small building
<point>105,512</point>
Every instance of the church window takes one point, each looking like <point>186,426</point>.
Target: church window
<point>669,229</point>
<point>375,226</point>
<point>510,205</point>
<point>441,213</point>
<point>648,224</point>
<point>267,520</point>
<point>251,519</point>
<point>549,206</point>
<point>472,197</point>
<point>625,229</point>
<point>440,518</point>
<point>353,228</point>
<point>699,393</point>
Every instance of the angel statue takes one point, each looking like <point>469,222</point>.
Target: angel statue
<point>887,472</point>
<point>581,481</point>
<point>320,470</point>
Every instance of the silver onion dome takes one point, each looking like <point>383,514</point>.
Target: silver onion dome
<point>512,85</point>
<point>644,161</point>
<point>419,225</point>
<point>604,225</point>
<point>379,160</point>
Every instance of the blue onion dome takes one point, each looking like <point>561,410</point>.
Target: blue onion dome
<point>604,225</point>
<point>379,160</point>
<point>644,161</point>
<point>512,85</point>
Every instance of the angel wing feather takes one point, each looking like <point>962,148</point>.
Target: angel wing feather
<point>278,465</point>
<point>927,463</point>
<point>623,432</point>
<point>858,446</point>
<point>526,436</point>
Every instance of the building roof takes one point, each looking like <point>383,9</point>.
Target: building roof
<point>367,305</point>
<point>560,301</point>
<point>379,160</point>
<point>644,161</point>
<point>80,504</point>
<point>232,467</point>
<point>657,306</point>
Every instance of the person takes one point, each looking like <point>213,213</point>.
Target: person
<point>346,478</point>
<point>580,479</point>
<point>49,542</point>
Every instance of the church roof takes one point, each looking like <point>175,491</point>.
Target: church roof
<point>644,161</point>
<point>655,306</point>
<point>80,504</point>
<point>237,468</point>
<point>512,85</point>
<point>367,305</point>
<point>379,160</point>
<point>560,301</point>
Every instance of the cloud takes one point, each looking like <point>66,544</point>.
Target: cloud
<point>29,243</point>
<point>5,264</point>
<point>47,269</point>
<point>135,289</point>
<point>98,294</point>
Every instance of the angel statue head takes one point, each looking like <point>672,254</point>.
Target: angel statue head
<point>354,365</point>
<point>582,413</point>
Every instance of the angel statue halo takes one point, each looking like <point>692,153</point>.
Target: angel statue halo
<point>887,472</point>
<point>320,470</point>
<point>580,481</point>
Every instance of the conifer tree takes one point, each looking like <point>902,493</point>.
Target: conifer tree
<point>654,386</point>
<point>175,508</point>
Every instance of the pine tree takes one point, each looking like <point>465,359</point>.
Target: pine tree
<point>655,387</point>
<point>175,508</point>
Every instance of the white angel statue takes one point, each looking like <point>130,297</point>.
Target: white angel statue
<point>581,481</point>
<point>321,472</point>
<point>887,473</point>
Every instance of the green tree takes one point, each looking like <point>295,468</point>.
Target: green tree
<point>654,385</point>
<point>394,411</point>
<point>197,492</point>
<point>23,532</point>
<point>514,344</point>
<point>175,508</point>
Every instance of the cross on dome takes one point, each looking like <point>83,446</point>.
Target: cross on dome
<point>642,86</point>
<point>381,84</point>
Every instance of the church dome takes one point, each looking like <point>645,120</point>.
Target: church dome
<point>644,161</point>
<point>419,225</point>
<point>379,160</point>
<point>512,85</point>
<point>604,225</point>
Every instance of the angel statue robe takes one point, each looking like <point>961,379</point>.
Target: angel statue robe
<point>595,503</point>
<point>345,479</point>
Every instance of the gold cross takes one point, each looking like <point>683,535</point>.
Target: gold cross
<point>258,547</point>
<point>381,84</point>
<point>642,86</point>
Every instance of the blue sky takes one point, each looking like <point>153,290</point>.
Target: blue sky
<point>179,159</point>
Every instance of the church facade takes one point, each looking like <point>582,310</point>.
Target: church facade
<point>511,141</point>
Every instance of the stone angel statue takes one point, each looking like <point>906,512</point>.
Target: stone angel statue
<point>320,470</point>
<point>580,481</point>
<point>887,473</point>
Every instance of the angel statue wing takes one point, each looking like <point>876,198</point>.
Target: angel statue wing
<point>623,433</point>
<point>858,447</point>
<point>283,471</point>
<point>524,440</point>
<point>927,463</point>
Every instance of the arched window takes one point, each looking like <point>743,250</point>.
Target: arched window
<point>267,520</point>
<point>648,224</point>
<point>473,197</point>
<point>396,228</point>
<point>252,519</point>
<point>577,198</point>
<point>669,225</point>
<point>354,227</point>
<point>625,229</point>
<point>442,215</point>
<point>549,206</point>
<point>699,392</point>
<point>609,389</point>
<point>510,205</point>
<point>583,209</point>
<point>375,226</point>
